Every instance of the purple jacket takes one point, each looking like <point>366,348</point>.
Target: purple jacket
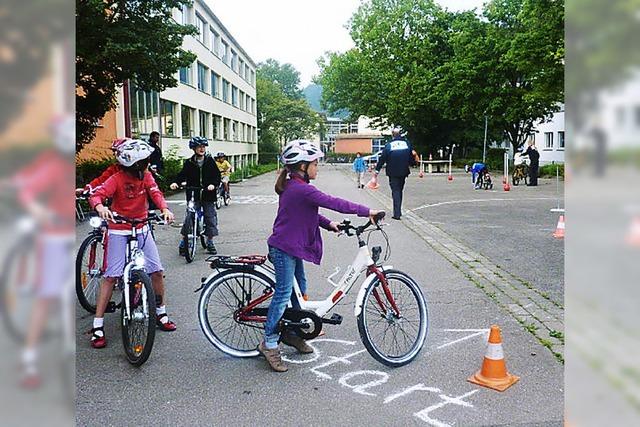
<point>296,228</point>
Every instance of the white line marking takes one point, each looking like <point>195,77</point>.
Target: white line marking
<point>360,388</point>
<point>417,387</point>
<point>475,334</point>
<point>454,202</point>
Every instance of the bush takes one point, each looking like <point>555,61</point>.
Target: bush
<point>495,160</point>
<point>90,169</point>
<point>550,170</point>
<point>251,171</point>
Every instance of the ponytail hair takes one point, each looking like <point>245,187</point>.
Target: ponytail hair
<point>281,182</point>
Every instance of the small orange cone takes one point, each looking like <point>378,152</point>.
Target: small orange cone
<point>506,186</point>
<point>450,177</point>
<point>559,233</point>
<point>373,183</point>
<point>633,237</point>
<point>421,174</point>
<point>493,373</point>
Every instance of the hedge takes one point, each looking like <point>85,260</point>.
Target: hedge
<point>550,170</point>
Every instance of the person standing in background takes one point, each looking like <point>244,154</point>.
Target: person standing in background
<point>534,158</point>
<point>156,163</point>
<point>359,168</point>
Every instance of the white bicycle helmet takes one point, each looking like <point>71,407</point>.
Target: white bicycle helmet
<point>132,151</point>
<point>300,150</point>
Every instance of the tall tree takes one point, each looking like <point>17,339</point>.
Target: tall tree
<point>121,40</point>
<point>284,75</point>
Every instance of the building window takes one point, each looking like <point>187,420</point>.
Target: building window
<point>234,96</point>
<point>201,24</point>
<point>253,78</point>
<point>241,68</point>
<point>145,111</point>
<point>204,124</point>
<point>225,90</point>
<point>234,130</point>
<point>561,140</point>
<point>187,116</point>
<point>215,90</point>
<point>242,100</point>
<point>253,106</point>
<point>215,42</point>
<point>216,127</point>
<point>168,118</point>
<point>548,140</point>
<point>227,130</point>
<point>225,53</point>
<point>203,78</point>
<point>184,75</point>
<point>234,61</point>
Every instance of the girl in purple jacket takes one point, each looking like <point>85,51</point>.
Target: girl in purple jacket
<point>296,237</point>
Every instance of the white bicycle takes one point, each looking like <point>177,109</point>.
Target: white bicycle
<point>390,308</point>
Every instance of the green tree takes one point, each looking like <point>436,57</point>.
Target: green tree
<point>437,73</point>
<point>283,115</point>
<point>121,40</point>
<point>285,75</point>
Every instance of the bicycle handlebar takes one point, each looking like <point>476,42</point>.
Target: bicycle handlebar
<point>346,226</point>
<point>124,220</point>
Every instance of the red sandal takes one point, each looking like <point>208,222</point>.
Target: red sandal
<point>168,326</point>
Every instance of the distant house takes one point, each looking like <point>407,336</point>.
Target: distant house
<point>349,138</point>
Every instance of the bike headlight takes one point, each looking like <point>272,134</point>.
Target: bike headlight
<point>95,222</point>
<point>190,205</point>
<point>139,261</point>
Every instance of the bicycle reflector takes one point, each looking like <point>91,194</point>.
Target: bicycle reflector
<point>95,222</point>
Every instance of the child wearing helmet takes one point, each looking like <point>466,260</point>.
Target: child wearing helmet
<point>200,171</point>
<point>225,170</point>
<point>111,170</point>
<point>296,238</point>
<point>129,190</point>
<point>477,173</point>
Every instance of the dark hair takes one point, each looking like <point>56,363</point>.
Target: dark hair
<point>281,182</point>
<point>155,132</point>
<point>358,154</point>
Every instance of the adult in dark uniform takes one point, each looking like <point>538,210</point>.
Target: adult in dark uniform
<point>398,156</point>
<point>534,159</point>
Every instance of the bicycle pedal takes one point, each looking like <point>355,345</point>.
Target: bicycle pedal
<point>335,319</point>
<point>111,307</point>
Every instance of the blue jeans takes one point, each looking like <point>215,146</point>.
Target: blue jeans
<point>287,267</point>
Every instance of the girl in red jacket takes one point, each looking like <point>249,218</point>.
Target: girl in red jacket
<point>129,190</point>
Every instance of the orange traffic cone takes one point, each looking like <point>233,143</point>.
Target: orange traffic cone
<point>559,233</point>
<point>493,373</point>
<point>373,183</point>
<point>421,174</point>
<point>633,237</point>
<point>506,187</point>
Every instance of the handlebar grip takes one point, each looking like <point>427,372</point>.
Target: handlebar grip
<point>380,215</point>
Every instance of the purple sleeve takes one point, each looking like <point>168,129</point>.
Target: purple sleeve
<point>324,221</point>
<point>317,197</point>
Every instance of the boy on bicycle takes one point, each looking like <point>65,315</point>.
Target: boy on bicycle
<point>130,190</point>
<point>225,170</point>
<point>200,170</point>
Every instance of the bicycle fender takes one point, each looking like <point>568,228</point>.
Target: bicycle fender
<point>360,298</point>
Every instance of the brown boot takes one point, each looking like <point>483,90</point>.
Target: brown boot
<point>273,358</point>
<point>297,342</point>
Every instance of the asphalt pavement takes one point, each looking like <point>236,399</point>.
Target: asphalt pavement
<point>186,381</point>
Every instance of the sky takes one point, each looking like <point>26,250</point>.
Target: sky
<point>296,31</point>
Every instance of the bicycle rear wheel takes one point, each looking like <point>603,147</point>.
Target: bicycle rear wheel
<point>138,332</point>
<point>393,339</point>
<point>220,301</point>
<point>89,271</point>
<point>18,288</point>
<point>190,239</point>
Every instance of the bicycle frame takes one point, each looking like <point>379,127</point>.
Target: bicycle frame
<point>362,262</point>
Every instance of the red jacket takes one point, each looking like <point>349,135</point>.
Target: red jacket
<point>49,181</point>
<point>111,170</point>
<point>129,196</point>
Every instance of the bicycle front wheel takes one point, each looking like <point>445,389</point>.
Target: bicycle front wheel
<point>219,304</point>
<point>139,331</point>
<point>89,271</point>
<point>392,337</point>
<point>190,239</point>
<point>18,288</point>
